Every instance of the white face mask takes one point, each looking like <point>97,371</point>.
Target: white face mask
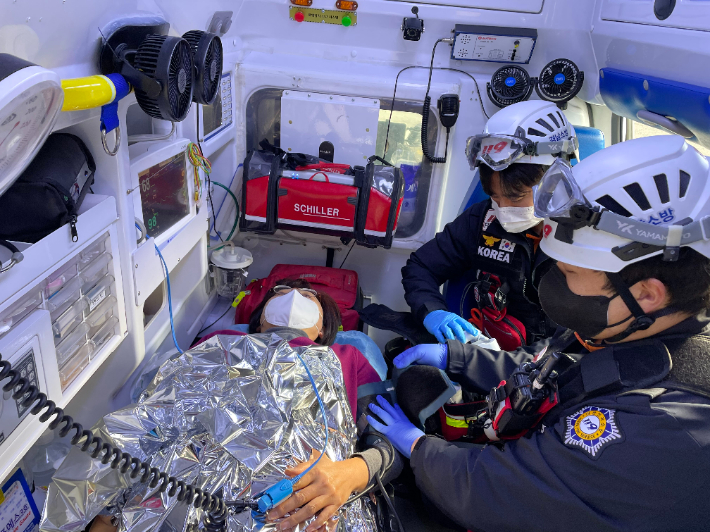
<point>292,310</point>
<point>516,219</point>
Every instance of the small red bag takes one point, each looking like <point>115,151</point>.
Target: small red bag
<point>492,316</point>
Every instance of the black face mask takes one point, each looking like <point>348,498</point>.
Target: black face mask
<point>586,315</point>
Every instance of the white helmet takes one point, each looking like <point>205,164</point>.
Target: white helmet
<point>626,203</point>
<point>532,132</point>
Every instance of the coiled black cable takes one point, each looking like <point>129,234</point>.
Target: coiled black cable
<point>425,134</point>
<point>20,387</point>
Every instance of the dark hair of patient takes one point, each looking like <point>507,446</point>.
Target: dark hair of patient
<point>331,312</point>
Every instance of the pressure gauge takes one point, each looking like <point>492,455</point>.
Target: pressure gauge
<point>30,101</point>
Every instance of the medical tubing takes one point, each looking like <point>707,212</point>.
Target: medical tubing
<point>216,215</point>
<point>389,502</point>
<point>30,396</point>
<point>325,422</point>
<point>215,321</point>
<point>144,232</point>
<point>170,300</point>
<point>236,204</point>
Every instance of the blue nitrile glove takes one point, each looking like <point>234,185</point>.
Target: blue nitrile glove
<point>447,325</point>
<point>398,429</point>
<point>424,355</point>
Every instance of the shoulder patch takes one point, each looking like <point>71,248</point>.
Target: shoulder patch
<point>507,245</point>
<point>490,240</point>
<point>488,220</point>
<point>592,429</point>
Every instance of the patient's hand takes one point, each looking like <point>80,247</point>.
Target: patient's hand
<point>324,489</point>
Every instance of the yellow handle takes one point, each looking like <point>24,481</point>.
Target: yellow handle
<point>87,93</point>
<point>239,297</point>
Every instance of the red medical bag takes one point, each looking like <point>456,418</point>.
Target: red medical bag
<point>341,285</point>
<point>305,193</point>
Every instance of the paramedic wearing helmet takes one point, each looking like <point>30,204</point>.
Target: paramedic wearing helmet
<point>627,445</point>
<point>498,236</point>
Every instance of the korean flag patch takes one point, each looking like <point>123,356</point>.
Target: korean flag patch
<point>591,429</point>
<point>506,245</point>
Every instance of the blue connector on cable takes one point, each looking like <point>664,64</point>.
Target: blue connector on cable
<point>274,495</point>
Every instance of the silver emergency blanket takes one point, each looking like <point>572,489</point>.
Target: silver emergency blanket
<point>230,414</point>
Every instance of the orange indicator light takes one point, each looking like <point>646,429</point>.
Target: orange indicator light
<point>347,5</point>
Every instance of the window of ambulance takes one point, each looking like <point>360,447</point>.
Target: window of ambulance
<point>640,130</point>
<point>402,147</point>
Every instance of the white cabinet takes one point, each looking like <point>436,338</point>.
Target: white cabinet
<point>62,314</point>
<point>687,14</point>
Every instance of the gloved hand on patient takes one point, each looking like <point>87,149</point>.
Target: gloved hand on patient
<point>424,355</point>
<point>449,326</point>
<point>395,426</point>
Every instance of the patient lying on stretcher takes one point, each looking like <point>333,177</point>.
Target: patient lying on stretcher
<point>304,317</point>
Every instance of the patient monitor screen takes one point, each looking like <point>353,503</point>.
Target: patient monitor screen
<point>164,194</point>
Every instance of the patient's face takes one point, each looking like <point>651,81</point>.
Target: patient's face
<point>312,332</point>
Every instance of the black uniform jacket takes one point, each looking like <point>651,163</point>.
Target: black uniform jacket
<point>477,240</point>
<point>628,449</point>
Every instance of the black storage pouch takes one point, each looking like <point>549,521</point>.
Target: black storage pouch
<point>48,194</point>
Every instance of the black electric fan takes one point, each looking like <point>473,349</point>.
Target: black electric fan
<point>159,67</point>
<point>207,56</point>
<point>559,82</point>
<point>510,84</point>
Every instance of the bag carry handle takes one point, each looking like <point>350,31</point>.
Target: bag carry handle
<point>378,158</point>
<point>323,174</point>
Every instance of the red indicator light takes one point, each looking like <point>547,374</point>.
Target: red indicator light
<point>299,16</point>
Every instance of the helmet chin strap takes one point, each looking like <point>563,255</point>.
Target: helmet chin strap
<point>641,320</point>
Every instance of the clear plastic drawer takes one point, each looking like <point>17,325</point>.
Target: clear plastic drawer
<point>99,292</point>
<point>72,317</point>
<point>105,333</point>
<point>93,272</point>
<point>60,278</point>
<point>70,346</point>
<point>101,314</point>
<point>75,366</point>
<point>21,308</point>
<point>93,251</point>
<point>62,299</point>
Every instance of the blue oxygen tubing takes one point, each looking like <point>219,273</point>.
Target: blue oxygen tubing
<point>325,422</point>
<point>170,300</point>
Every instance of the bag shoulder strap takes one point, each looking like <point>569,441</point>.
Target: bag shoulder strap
<point>675,362</point>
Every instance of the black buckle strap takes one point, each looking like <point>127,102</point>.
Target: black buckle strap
<point>579,216</point>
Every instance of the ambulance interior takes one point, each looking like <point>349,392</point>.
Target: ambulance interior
<point>93,299</point>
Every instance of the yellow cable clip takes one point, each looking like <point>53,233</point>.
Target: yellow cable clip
<point>239,297</point>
